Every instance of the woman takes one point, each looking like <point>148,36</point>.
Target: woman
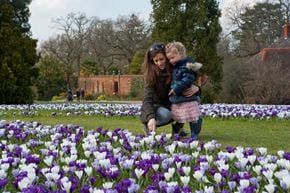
<point>155,110</point>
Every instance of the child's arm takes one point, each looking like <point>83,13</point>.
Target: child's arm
<point>188,78</point>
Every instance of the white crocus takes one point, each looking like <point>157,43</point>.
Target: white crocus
<point>218,177</point>
<point>100,155</point>
<point>257,169</point>
<point>87,153</point>
<point>171,171</point>
<point>208,189</point>
<point>195,154</point>
<point>66,184</point>
<point>167,176</point>
<point>171,148</point>
<point>186,170</point>
<point>48,160</point>
<point>24,183</point>
<point>88,170</point>
<point>108,185</point>
<point>5,166</point>
<point>185,180</point>
<point>145,155</point>
<point>158,137</point>
<point>243,162</point>
<point>198,175</point>
<point>178,164</point>
<point>106,163</point>
<point>286,180</point>
<point>209,158</point>
<point>252,159</point>
<point>262,150</point>
<point>155,167</point>
<point>3,174</point>
<point>193,145</point>
<point>79,173</point>
<point>65,168</point>
<point>280,153</point>
<point>244,183</point>
<point>268,174</point>
<point>270,188</point>
<point>139,172</point>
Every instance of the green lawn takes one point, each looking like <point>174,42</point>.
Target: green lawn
<point>273,134</point>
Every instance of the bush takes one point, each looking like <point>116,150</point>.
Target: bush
<point>89,97</point>
<point>137,88</point>
<point>61,96</point>
<point>101,97</point>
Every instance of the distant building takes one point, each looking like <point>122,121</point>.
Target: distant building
<point>280,50</point>
<point>108,85</point>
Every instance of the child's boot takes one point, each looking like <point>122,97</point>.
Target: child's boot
<point>194,128</point>
<point>177,129</point>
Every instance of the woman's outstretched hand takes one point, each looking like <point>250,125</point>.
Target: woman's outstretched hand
<point>152,125</point>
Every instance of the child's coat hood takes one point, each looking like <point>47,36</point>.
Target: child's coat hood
<point>195,66</point>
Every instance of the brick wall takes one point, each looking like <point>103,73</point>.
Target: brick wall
<point>108,85</point>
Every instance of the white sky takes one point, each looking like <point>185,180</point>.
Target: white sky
<point>44,11</point>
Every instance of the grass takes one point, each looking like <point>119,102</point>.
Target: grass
<point>272,134</point>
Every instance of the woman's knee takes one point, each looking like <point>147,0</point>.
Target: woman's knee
<point>163,115</point>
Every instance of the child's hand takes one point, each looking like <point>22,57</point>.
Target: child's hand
<point>171,92</point>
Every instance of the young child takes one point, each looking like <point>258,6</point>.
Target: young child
<point>184,109</point>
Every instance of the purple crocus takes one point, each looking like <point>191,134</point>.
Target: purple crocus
<point>3,182</point>
<point>35,189</point>
<point>286,156</point>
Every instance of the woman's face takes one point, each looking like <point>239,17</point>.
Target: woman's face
<point>160,60</point>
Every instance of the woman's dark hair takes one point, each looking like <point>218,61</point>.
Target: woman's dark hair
<point>150,70</point>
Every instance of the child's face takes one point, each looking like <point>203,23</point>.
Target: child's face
<point>160,60</point>
<point>173,56</point>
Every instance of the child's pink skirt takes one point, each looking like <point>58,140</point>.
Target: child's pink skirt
<point>185,112</point>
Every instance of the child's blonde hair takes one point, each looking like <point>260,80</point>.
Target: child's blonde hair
<point>176,47</point>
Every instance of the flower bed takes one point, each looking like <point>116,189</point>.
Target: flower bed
<point>91,109</point>
<point>65,158</point>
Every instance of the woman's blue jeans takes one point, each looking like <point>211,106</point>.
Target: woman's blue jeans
<point>163,116</point>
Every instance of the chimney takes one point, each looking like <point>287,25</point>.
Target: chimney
<point>286,30</point>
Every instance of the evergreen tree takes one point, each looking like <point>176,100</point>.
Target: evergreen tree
<point>195,23</point>
<point>18,53</point>
<point>50,81</point>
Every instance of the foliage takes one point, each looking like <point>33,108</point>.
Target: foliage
<point>89,97</point>
<point>61,96</point>
<point>136,64</point>
<point>236,73</point>
<point>50,81</point>
<point>89,67</point>
<point>137,88</point>
<point>196,24</point>
<point>18,53</point>
<point>101,97</point>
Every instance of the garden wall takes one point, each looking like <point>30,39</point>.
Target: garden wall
<point>108,85</point>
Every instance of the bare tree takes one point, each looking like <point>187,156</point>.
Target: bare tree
<point>285,8</point>
<point>268,82</point>
<point>68,47</point>
<point>98,43</point>
<point>113,44</point>
<point>131,35</point>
